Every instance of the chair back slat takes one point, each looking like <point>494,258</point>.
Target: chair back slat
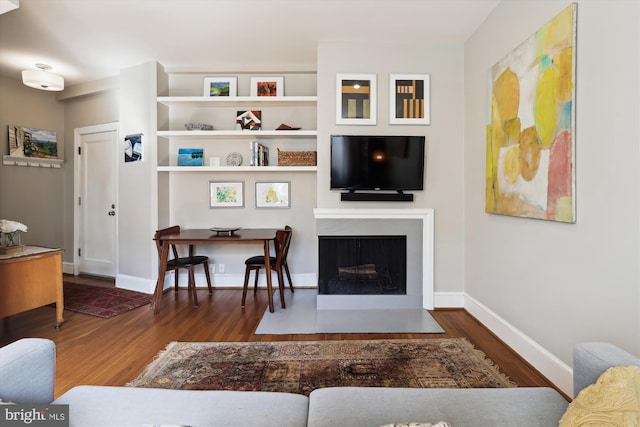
<point>170,230</point>
<point>283,237</point>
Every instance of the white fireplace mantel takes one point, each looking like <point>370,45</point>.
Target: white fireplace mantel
<point>425,215</point>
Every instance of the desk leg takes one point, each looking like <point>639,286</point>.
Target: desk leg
<point>162,270</point>
<point>267,267</point>
<point>59,295</point>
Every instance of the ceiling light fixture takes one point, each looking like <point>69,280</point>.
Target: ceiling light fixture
<point>42,79</point>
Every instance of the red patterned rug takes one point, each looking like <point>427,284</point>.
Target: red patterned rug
<point>300,367</point>
<point>101,302</point>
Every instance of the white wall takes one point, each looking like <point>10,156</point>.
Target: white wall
<point>444,152</point>
<point>560,284</point>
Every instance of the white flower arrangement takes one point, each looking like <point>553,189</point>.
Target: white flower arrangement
<point>9,228</point>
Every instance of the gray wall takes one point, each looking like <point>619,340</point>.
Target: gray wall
<point>444,152</point>
<point>563,283</point>
<point>30,195</point>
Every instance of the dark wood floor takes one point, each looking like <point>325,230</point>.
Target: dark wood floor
<point>114,351</point>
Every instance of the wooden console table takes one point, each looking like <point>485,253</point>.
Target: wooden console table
<point>30,279</point>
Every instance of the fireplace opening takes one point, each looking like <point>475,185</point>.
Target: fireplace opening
<point>371,265</point>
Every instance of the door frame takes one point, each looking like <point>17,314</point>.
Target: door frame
<point>77,136</point>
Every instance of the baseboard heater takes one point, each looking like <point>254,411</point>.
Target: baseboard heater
<point>376,197</point>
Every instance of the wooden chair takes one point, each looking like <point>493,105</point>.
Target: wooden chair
<point>278,264</point>
<point>188,262</point>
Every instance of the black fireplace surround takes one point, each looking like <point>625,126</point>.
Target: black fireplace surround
<point>362,265</point>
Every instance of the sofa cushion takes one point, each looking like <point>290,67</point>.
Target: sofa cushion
<point>613,400</point>
<point>100,406</point>
<point>373,406</point>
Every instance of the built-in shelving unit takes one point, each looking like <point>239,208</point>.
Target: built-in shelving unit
<point>180,109</point>
<point>256,169</point>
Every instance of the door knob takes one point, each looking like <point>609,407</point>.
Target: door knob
<point>112,213</point>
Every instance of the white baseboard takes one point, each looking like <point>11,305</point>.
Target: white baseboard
<point>448,299</point>
<point>307,280</point>
<point>544,361</point>
<point>68,268</point>
<point>137,284</point>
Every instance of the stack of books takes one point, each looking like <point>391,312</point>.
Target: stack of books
<point>259,154</point>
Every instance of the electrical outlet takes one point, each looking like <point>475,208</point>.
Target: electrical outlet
<point>212,268</point>
<point>220,268</point>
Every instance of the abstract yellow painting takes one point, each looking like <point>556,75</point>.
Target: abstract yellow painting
<point>530,169</point>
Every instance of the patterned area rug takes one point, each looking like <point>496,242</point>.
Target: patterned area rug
<point>101,302</point>
<point>300,367</point>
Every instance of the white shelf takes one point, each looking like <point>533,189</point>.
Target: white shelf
<point>247,134</point>
<point>32,161</point>
<point>237,168</point>
<point>217,101</point>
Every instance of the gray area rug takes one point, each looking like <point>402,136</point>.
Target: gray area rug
<point>302,317</point>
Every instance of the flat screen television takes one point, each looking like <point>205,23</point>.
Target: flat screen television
<point>360,162</point>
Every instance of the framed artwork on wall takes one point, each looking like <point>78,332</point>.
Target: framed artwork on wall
<point>409,99</point>
<point>267,86</point>
<point>356,99</point>
<point>530,141</point>
<point>273,195</point>
<point>220,86</point>
<point>226,194</point>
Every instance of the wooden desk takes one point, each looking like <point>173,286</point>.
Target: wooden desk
<point>30,279</point>
<point>207,237</point>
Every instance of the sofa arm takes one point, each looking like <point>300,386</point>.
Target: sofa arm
<point>591,359</point>
<point>27,371</point>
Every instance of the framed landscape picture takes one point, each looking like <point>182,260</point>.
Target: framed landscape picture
<point>226,194</point>
<point>267,86</point>
<point>356,99</point>
<point>220,86</point>
<point>273,195</point>
<point>409,99</point>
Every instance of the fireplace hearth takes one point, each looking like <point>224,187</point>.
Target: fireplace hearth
<point>362,265</point>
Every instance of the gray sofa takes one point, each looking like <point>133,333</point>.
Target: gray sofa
<point>27,373</point>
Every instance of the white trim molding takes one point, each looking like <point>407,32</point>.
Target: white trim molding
<point>558,372</point>
<point>426,215</point>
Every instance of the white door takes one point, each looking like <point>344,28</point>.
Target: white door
<point>96,179</point>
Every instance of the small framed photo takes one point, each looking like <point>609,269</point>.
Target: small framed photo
<point>356,99</point>
<point>220,86</point>
<point>267,86</point>
<point>273,195</point>
<point>409,99</point>
<point>226,194</point>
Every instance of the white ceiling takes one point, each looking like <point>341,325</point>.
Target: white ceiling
<point>86,40</point>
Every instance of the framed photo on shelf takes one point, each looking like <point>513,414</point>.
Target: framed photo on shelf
<point>273,194</point>
<point>356,99</point>
<point>226,194</point>
<point>409,99</point>
<point>249,120</point>
<point>220,86</point>
<point>267,86</point>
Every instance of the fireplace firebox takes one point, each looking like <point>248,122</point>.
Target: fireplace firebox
<point>362,265</point>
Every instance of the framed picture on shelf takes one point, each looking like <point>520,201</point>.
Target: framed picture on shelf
<point>273,195</point>
<point>226,194</point>
<point>356,99</point>
<point>267,86</point>
<point>220,86</point>
<point>190,156</point>
<point>249,120</point>
<point>409,99</point>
